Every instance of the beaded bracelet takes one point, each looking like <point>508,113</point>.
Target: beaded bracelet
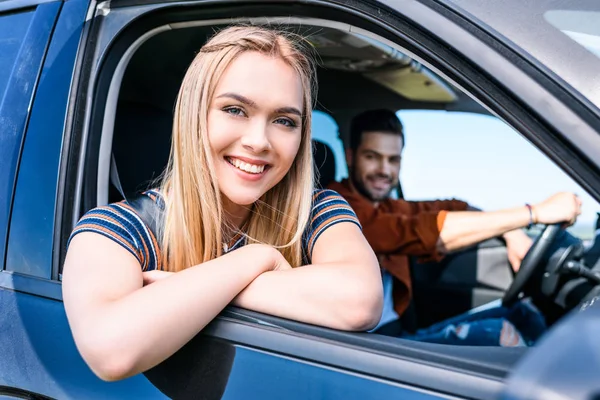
<point>532,220</point>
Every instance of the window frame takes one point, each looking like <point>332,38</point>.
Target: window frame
<point>20,91</point>
<point>34,218</point>
<point>265,332</point>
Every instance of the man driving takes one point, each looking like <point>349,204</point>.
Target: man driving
<point>396,229</point>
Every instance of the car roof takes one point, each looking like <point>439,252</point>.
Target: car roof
<point>349,65</point>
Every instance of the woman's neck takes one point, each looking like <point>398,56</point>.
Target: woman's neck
<point>235,217</point>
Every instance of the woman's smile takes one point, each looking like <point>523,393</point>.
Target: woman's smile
<point>251,170</point>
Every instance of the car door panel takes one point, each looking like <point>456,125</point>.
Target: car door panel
<point>276,377</point>
<point>221,369</point>
<point>39,355</point>
<point>564,364</point>
<point>460,282</point>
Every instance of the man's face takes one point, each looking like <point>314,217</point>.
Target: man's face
<point>375,166</point>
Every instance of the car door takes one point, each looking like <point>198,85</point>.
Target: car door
<point>564,363</point>
<point>246,354</point>
<point>242,354</point>
<point>39,43</point>
<point>566,98</point>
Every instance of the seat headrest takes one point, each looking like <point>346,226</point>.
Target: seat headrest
<point>141,144</point>
<point>324,163</point>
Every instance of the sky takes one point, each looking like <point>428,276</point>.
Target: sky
<point>475,158</point>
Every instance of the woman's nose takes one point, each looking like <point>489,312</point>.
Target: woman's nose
<point>255,137</point>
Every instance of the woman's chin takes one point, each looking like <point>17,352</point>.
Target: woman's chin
<point>245,198</point>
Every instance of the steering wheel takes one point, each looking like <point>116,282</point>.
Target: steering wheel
<point>531,263</point>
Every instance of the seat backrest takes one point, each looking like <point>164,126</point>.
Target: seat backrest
<point>324,159</point>
<point>141,144</point>
<point>142,141</point>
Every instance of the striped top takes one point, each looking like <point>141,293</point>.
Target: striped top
<point>120,222</point>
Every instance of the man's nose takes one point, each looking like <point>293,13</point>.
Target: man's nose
<point>255,138</point>
<point>384,167</point>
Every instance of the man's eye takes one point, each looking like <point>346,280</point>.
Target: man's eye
<point>234,111</point>
<point>285,122</point>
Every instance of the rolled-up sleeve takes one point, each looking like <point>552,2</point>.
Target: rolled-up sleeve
<point>402,227</point>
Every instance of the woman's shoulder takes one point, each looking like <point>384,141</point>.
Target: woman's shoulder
<point>328,205</point>
<point>320,195</point>
<point>122,210</point>
<point>122,223</point>
<point>329,208</point>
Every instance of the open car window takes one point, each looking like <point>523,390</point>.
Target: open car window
<point>480,159</point>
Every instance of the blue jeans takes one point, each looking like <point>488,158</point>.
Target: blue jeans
<point>491,325</point>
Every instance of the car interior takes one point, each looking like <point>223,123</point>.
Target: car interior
<point>349,66</point>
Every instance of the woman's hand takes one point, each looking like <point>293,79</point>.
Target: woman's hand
<point>155,275</point>
<point>273,261</point>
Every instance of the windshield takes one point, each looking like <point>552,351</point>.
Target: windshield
<point>564,35</point>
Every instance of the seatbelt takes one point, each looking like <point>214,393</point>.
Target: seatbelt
<point>147,209</point>
<point>114,176</point>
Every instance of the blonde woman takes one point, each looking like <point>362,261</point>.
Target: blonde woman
<point>240,214</point>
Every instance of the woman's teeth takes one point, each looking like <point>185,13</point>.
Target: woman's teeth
<point>253,169</point>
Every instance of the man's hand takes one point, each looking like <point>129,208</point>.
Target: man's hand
<point>561,207</point>
<point>517,246</point>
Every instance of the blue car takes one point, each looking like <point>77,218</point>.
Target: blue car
<point>86,96</point>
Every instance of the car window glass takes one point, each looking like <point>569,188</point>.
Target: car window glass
<point>481,160</point>
<point>326,130</point>
<point>13,106</point>
<point>581,26</point>
<point>560,34</point>
<point>12,31</point>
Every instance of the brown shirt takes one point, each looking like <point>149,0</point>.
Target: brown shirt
<point>397,229</point>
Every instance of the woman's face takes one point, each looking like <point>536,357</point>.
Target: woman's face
<point>254,125</point>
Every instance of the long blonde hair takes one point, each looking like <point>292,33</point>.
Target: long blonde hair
<point>193,225</point>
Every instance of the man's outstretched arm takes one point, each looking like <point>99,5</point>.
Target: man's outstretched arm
<point>432,234</point>
<point>465,228</point>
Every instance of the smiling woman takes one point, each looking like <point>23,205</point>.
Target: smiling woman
<point>241,213</point>
<point>248,134</point>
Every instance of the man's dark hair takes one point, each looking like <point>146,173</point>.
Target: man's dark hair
<point>374,120</point>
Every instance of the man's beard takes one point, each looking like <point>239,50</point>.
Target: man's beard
<point>361,188</point>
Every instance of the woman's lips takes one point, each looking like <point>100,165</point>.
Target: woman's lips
<point>247,171</point>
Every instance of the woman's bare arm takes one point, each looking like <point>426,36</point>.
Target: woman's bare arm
<point>342,289</point>
<point>121,327</point>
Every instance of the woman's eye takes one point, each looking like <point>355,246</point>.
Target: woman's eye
<point>286,122</point>
<point>234,111</point>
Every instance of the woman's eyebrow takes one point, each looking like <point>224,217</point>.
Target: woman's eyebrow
<point>250,103</point>
<point>239,98</point>
<point>289,110</point>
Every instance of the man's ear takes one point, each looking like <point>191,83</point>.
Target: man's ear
<point>349,157</point>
